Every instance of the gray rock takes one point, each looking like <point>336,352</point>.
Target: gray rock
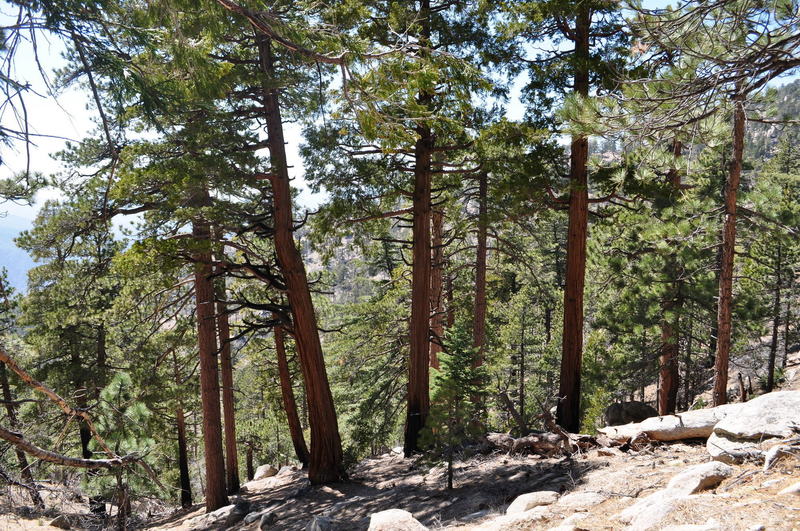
<point>319,523</point>
<point>264,471</point>
<point>699,477</point>
<point>525,520</point>
<point>61,521</point>
<point>754,428</point>
<point>648,512</point>
<point>733,450</point>
<point>581,501</point>
<point>766,416</point>
<point>627,412</point>
<point>794,488</point>
<point>394,520</point>
<point>267,520</point>
<point>775,454</point>
<point>530,500</point>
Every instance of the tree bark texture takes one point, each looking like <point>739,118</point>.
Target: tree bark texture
<point>419,322</point>
<point>289,404</point>
<point>724,325</point>
<point>325,463</point>
<point>183,460</point>
<point>569,392</point>
<point>228,402</point>
<point>216,496</point>
<point>437,287</point>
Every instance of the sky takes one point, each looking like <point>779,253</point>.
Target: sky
<point>69,115</point>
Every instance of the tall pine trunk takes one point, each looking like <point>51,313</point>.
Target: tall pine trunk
<point>325,463</point>
<point>419,322</point>
<point>226,372</point>
<point>724,311</point>
<point>569,391</point>
<point>437,283</point>
<point>479,315</point>
<point>216,496</point>
<point>289,404</point>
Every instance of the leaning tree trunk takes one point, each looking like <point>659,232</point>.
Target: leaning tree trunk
<point>569,391</point>
<point>226,372</point>
<point>437,283</point>
<point>24,466</point>
<point>289,404</point>
<point>479,315</point>
<point>776,319</point>
<point>216,496</point>
<point>325,462</point>
<point>724,326</point>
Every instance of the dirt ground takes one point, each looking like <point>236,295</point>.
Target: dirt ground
<point>486,484</point>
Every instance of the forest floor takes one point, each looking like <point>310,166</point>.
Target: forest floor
<point>593,486</point>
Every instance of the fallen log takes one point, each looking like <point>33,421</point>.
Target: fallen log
<point>52,457</point>
<point>689,425</point>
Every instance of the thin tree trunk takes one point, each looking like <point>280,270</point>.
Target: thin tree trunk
<point>325,462</point>
<point>249,461</point>
<point>479,323</point>
<point>226,372</point>
<point>569,392</point>
<point>786,330</point>
<point>668,361</point>
<point>24,466</point>
<point>437,292</point>
<point>720,393</point>
<point>289,404</point>
<point>776,318</point>
<point>216,496</point>
<point>183,460</point>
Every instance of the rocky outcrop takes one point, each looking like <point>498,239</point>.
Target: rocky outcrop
<point>627,412</point>
<point>394,520</point>
<point>528,501</point>
<point>756,426</point>
<point>648,512</point>
<point>264,471</point>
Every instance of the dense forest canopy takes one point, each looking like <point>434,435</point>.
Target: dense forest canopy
<point>528,205</point>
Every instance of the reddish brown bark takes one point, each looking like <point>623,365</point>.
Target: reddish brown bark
<point>724,325</point>
<point>569,392</point>
<point>479,315</point>
<point>668,374</point>
<point>325,463</point>
<point>228,403</point>
<point>437,283</point>
<point>419,322</point>
<point>216,496</point>
<point>668,382</point>
<point>289,404</point>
